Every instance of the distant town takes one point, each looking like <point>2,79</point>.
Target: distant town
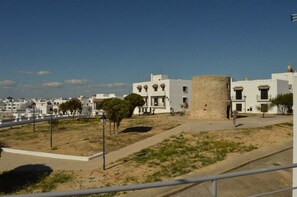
<point>161,95</point>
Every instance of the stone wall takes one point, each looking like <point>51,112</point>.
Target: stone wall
<point>210,97</point>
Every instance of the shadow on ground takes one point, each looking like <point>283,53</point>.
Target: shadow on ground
<point>22,177</point>
<point>137,130</point>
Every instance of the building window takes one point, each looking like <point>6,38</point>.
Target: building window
<point>185,102</point>
<point>185,89</point>
<point>163,101</point>
<point>238,94</point>
<point>264,107</point>
<point>155,101</point>
<point>162,86</point>
<point>155,86</point>
<point>139,88</point>
<point>264,93</point>
<point>239,107</point>
<point>145,88</point>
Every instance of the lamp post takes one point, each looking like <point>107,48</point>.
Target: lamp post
<point>51,121</point>
<point>33,108</point>
<point>244,104</point>
<point>103,122</point>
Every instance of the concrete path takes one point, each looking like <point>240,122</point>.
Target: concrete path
<point>10,161</point>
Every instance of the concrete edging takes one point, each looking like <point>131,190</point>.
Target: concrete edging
<point>52,155</point>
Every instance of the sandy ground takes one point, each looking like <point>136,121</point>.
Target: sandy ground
<point>128,172</point>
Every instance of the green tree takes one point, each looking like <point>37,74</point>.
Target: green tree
<point>63,108</point>
<point>264,108</point>
<point>135,100</point>
<point>284,102</point>
<point>116,110</point>
<point>73,105</point>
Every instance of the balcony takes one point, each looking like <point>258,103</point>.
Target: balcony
<point>263,99</point>
<point>238,99</point>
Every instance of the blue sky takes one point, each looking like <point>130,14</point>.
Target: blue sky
<point>67,48</point>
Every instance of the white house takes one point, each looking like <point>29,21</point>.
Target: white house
<point>287,76</point>
<point>161,95</point>
<point>248,94</point>
<point>97,99</point>
<point>43,106</point>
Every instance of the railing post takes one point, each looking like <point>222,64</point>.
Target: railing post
<point>214,188</point>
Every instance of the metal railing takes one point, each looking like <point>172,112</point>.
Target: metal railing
<point>263,99</point>
<point>213,179</point>
<point>18,122</point>
<point>239,99</point>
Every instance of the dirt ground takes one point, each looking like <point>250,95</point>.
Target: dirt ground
<point>85,139</point>
<point>127,171</point>
<point>77,137</point>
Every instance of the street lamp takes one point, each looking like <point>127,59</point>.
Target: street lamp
<point>245,104</point>
<point>33,108</point>
<point>103,120</point>
<point>51,123</point>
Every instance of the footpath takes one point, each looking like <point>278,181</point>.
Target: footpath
<point>11,161</point>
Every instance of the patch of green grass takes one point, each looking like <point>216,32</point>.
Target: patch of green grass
<point>180,155</point>
<point>247,131</point>
<point>289,124</point>
<point>49,183</point>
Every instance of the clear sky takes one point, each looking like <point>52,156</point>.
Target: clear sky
<point>63,48</point>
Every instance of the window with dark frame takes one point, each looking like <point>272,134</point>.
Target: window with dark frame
<point>185,89</point>
<point>155,101</point>
<point>238,94</point>
<point>264,93</point>
<point>239,107</point>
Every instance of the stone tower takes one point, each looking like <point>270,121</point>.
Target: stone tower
<point>211,97</point>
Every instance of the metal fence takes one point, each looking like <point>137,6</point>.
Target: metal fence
<point>18,122</point>
<point>213,179</point>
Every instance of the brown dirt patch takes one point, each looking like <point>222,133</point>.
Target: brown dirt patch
<point>77,137</point>
<point>127,171</point>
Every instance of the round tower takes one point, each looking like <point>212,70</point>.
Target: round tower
<point>211,97</point>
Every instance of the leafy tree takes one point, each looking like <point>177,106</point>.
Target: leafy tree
<point>73,105</point>
<point>264,108</point>
<point>135,100</point>
<point>63,108</point>
<point>116,109</point>
<point>284,102</point>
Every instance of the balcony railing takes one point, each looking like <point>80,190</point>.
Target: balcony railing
<point>213,179</point>
<point>242,99</point>
<point>263,99</point>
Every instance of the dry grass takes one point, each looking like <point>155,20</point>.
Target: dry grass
<point>80,137</point>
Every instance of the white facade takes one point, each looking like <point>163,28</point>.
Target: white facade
<point>248,94</point>
<point>57,102</point>
<point>97,99</point>
<point>161,95</point>
<point>289,76</point>
<point>42,107</point>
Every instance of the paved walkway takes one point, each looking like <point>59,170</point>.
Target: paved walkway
<point>10,161</point>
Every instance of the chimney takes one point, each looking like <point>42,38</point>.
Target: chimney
<point>290,68</point>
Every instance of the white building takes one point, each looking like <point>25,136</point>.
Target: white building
<point>43,106</point>
<point>57,102</point>
<point>97,99</point>
<point>161,95</point>
<point>247,95</point>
